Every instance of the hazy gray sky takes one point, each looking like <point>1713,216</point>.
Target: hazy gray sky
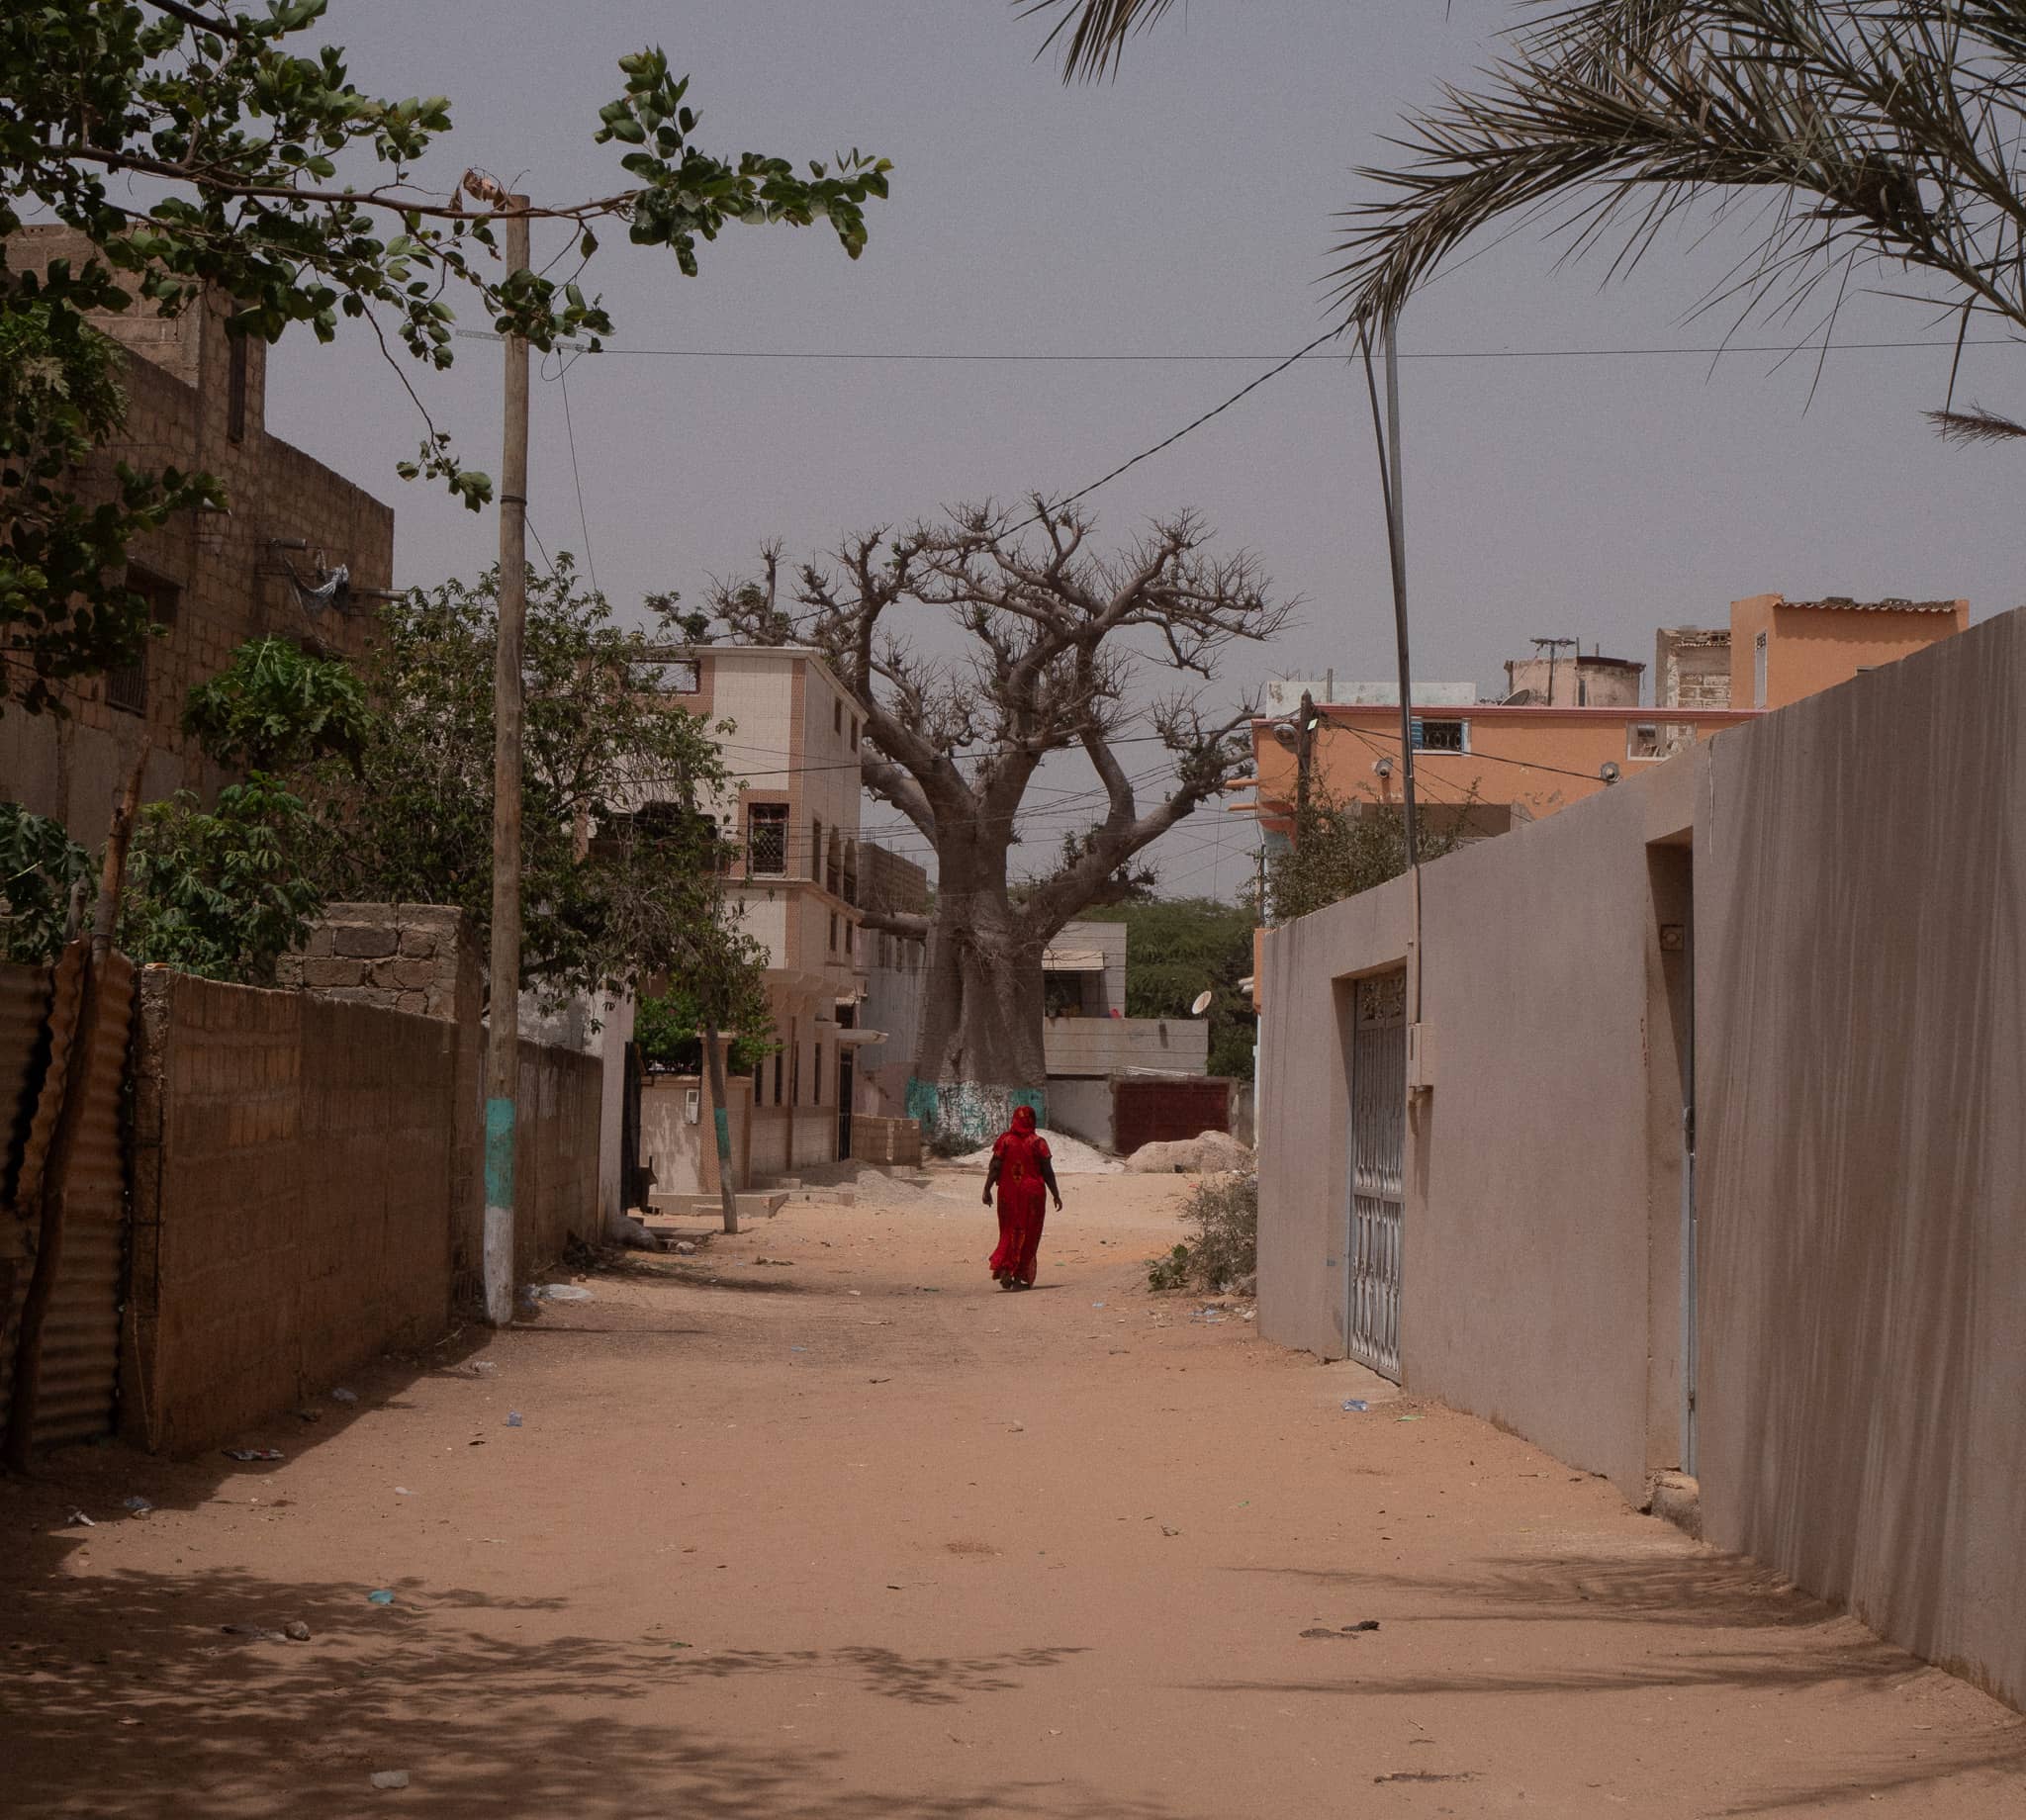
<point>1185,209</point>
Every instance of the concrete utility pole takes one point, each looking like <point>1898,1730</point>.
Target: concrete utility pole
<point>1387,435</point>
<point>1304,761</point>
<point>503,1047</point>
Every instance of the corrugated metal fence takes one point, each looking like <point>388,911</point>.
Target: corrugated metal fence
<point>81,1335</point>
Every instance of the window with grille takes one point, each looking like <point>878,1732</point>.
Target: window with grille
<point>127,684</point>
<point>766,840</point>
<point>1441,735</point>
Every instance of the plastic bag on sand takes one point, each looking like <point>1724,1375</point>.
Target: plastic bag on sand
<point>1207,1153</point>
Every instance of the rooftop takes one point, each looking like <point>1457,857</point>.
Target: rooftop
<point>1891,603</point>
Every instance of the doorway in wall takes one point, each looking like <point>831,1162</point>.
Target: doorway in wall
<point>1376,1199</point>
<point>1671,1398</point>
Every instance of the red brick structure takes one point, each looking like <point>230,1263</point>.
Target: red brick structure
<point>197,399</point>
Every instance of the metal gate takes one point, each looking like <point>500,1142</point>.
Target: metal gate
<point>1378,1126</point>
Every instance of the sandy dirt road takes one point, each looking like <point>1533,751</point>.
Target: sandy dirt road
<point>851,1533</point>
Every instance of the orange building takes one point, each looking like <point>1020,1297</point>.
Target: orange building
<point>1529,756</point>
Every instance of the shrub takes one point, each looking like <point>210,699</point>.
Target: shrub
<point>1223,1212</point>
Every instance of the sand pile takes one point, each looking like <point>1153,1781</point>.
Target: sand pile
<point>1071,1156</point>
<point>1206,1153</point>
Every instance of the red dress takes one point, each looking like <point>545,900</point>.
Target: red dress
<point>1023,1197</point>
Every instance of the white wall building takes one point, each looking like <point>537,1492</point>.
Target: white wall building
<point>792,808</point>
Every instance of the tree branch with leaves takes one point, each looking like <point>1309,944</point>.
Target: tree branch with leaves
<point>269,179</point>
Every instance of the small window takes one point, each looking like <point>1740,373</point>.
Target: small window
<point>766,840</point>
<point>1662,739</point>
<point>794,1074</point>
<point>815,867</point>
<point>759,1082</point>
<point>776,1076</point>
<point>853,733</point>
<point>817,1083</point>
<point>1441,735</point>
<point>127,684</point>
<point>837,717</point>
<point>833,932</point>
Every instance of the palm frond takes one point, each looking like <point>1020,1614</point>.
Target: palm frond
<point>1883,131</point>
<point>1974,425</point>
<point>1096,32</point>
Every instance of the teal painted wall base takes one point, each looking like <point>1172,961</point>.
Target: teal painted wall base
<point>956,1117</point>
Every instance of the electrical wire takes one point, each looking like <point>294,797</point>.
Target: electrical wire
<point>973,357</point>
<point>570,430</point>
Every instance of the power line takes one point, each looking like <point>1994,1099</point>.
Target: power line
<point>570,430</point>
<point>1015,357</point>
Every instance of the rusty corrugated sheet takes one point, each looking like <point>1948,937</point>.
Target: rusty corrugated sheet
<point>81,1341</point>
<point>24,1009</point>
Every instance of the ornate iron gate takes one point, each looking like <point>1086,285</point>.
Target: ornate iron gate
<point>1378,1127</point>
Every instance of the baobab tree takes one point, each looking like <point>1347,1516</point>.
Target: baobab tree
<point>1059,635</point>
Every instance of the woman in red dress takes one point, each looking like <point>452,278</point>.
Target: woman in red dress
<point>1023,1174</point>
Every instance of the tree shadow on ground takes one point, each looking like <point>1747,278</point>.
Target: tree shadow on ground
<point>1749,1631</point>
<point>129,1698</point>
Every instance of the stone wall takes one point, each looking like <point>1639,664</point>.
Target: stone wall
<point>419,957</point>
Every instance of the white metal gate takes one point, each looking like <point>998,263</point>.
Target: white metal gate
<point>1378,1126</point>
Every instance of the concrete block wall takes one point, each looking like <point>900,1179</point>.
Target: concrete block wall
<point>555,1154</point>
<point>230,568</point>
<point>294,1164</point>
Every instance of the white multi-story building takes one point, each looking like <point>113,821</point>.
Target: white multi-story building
<point>791,749</point>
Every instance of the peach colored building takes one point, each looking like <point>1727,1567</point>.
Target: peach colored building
<point>1532,756</point>
<point>1784,650</point>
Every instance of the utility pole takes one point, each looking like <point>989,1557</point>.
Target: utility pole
<point>1551,646</point>
<point>503,1047</point>
<point>1388,440</point>
<point>1304,761</point>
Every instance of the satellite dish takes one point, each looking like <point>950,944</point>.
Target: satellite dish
<point>1201,1005</point>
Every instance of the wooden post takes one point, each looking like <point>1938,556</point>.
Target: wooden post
<point>503,1047</point>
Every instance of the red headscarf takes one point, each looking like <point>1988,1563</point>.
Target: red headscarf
<point>1022,1121</point>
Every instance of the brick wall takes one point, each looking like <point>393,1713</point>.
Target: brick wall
<point>307,1183</point>
<point>293,1161</point>
<point>229,570</point>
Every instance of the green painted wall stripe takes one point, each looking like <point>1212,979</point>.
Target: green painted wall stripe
<point>499,1152</point>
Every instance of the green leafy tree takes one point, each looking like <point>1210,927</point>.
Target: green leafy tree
<point>620,865</point>
<point>1339,849</point>
<point>1875,134</point>
<point>221,893</point>
<point>669,1025</point>
<point>1177,948</point>
<point>277,708</point>
<point>197,147</point>
<point>41,869</point>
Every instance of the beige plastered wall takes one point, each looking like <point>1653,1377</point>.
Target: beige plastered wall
<point>1858,871</point>
<point>1862,1023</point>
